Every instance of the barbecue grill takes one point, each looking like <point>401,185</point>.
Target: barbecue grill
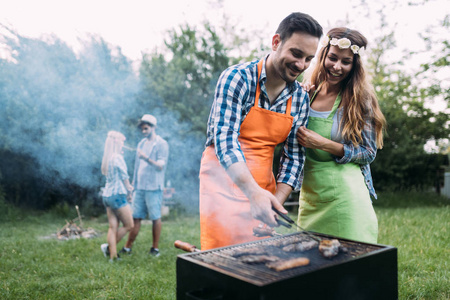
<point>364,271</point>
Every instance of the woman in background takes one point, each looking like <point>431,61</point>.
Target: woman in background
<point>115,193</point>
<point>345,128</point>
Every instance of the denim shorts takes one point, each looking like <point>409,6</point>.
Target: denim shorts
<point>147,203</point>
<point>115,201</point>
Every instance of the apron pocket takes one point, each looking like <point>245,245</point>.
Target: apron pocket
<point>319,186</point>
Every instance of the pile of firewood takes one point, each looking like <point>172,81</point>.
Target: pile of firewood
<point>72,230</point>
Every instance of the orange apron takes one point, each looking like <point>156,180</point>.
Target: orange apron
<point>225,216</point>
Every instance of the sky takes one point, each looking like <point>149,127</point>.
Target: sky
<point>139,25</point>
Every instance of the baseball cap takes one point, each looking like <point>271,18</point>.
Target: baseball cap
<point>148,119</point>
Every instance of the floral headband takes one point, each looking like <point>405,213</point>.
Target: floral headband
<point>343,43</point>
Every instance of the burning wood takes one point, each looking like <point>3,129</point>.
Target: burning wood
<point>73,231</point>
<point>79,216</point>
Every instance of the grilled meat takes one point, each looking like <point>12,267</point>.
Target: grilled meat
<point>329,248</point>
<point>282,265</point>
<point>260,231</point>
<point>284,242</point>
<point>301,246</point>
<point>258,259</point>
<point>247,251</point>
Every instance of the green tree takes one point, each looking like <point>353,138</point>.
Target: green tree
<point>436,73</point>
<point>403,163</point>
<point>184,77</point>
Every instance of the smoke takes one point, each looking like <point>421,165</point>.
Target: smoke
<point>57,107</point>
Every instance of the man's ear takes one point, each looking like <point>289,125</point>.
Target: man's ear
<point>276,42</point>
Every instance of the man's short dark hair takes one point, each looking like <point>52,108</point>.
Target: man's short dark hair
<point>299,22</point>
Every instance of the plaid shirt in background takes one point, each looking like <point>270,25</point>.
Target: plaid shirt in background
<point>117,173</point>
<point>234,96</point>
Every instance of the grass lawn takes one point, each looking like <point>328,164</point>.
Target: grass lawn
<point>36,266</point>
<point>419,226</point>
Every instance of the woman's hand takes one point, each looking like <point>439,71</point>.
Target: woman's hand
<point>307,86</point>
<point>310,139</point>
<point>141,154</point>
<point>129,188</point>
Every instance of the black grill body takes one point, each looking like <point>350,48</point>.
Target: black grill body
<point>366,271</point>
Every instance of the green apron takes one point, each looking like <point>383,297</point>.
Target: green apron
<point>334,199</point>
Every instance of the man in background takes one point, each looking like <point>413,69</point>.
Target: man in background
<point>148,182</point>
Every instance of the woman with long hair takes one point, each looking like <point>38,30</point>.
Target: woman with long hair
<point>115,193</point>
<point>345,129</point>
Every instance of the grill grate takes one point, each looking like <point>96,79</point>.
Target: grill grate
<point>259,274</point>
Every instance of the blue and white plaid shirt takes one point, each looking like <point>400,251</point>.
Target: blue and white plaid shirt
<point>363,154</point>
<point>117,173</point>
<point>234,97</point>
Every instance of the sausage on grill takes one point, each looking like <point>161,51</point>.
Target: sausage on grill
<point>282,265</point>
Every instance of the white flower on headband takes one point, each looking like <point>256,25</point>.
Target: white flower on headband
<point>325,41</point>
<point>355,49</point>
<point>343,43</point>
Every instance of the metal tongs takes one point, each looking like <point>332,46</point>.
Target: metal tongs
<point>290,221</point>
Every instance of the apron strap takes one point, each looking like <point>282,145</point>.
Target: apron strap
<point>258,87</point>
<point>335,105</point>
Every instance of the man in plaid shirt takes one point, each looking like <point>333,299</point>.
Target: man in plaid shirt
<point>257,106</point>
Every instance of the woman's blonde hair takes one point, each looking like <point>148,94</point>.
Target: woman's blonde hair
<point>113,144</point>
<point>359,100</point>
